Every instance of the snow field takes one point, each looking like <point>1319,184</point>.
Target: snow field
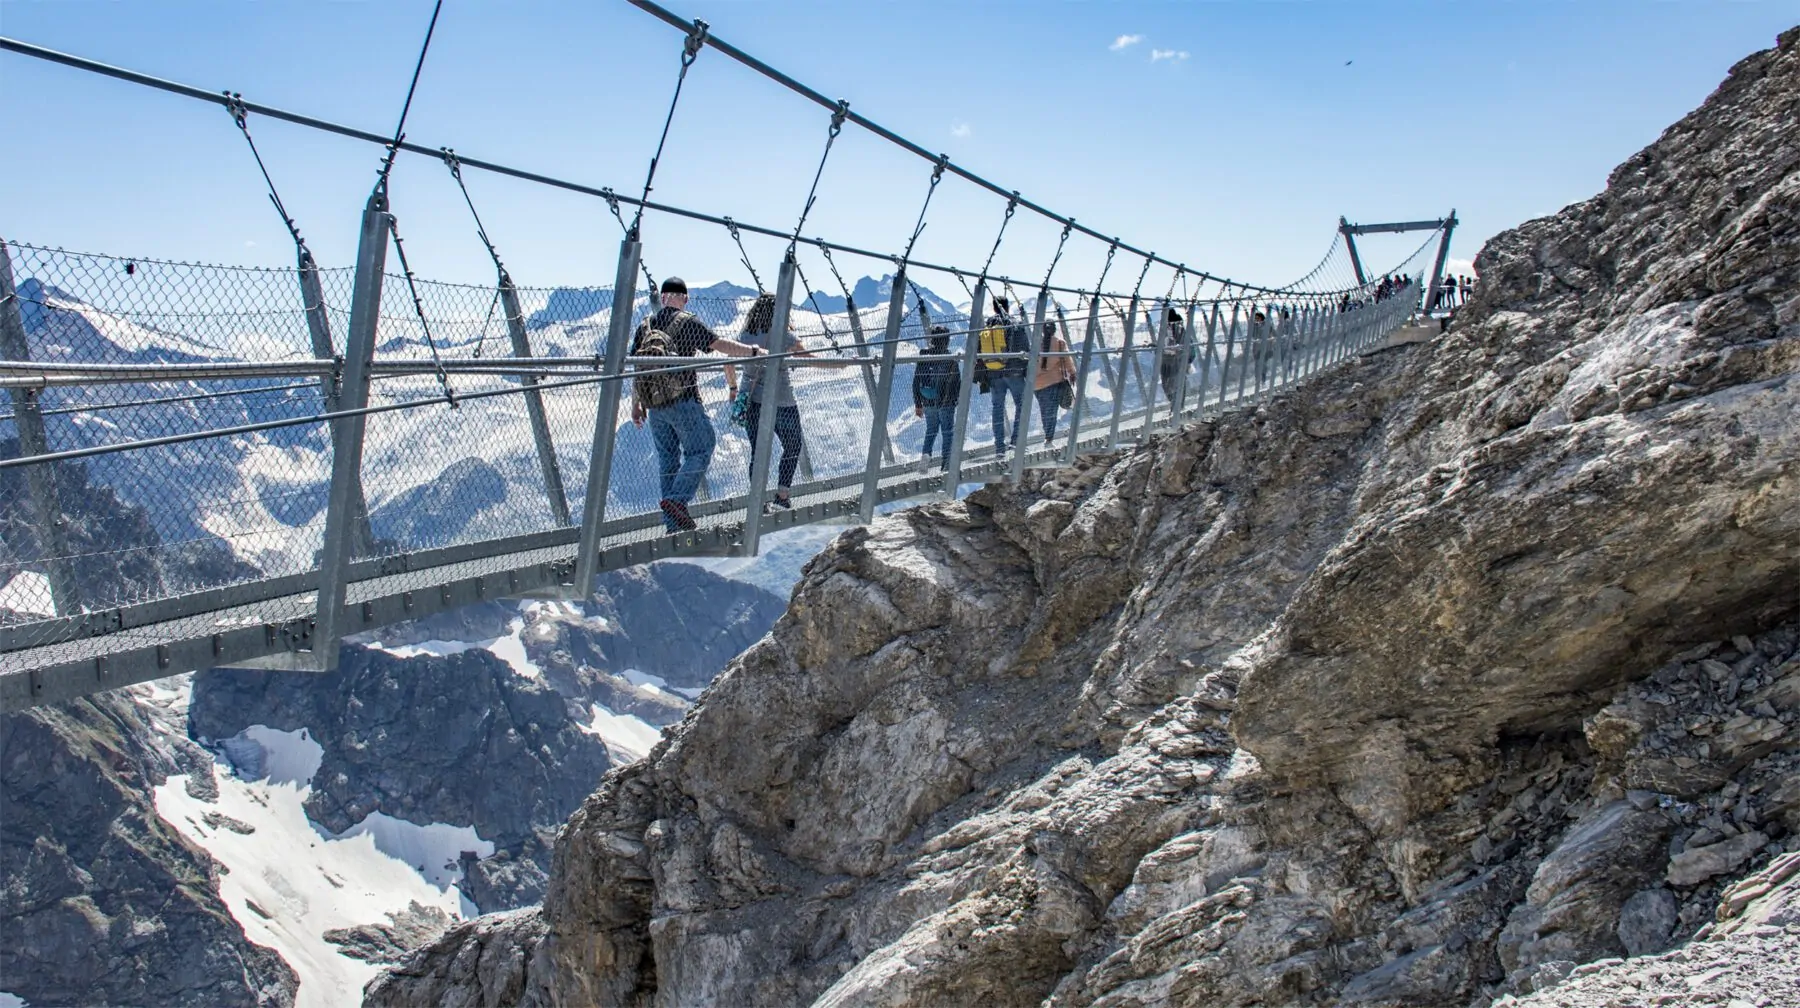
<point>287,883</point>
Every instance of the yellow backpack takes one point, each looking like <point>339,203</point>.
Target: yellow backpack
<point>993,341</point>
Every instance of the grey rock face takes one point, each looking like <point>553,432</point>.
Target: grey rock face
<point>1387,692</point>
<point>390,942</point>
<point>483,962</point>
<point>102,902</point>
<point>1647,920</point>
<point>674,620</point>
<point>460,739</point>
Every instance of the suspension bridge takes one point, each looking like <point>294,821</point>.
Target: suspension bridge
<point>220,466</point>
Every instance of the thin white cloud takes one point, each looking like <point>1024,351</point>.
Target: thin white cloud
<point>960,130</point>
<point>1158,55</point>
<point>1125,42</point>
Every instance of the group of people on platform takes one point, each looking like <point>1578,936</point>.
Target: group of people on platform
<point>666,397</point>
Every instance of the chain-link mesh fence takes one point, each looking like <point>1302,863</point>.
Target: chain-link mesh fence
<point>462,474</point>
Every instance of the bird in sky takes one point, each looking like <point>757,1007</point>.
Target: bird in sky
<point>1348,62</point>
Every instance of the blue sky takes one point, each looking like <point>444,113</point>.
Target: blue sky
<point>1229,136</point>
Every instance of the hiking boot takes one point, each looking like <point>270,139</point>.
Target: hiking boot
<point>925,463</point>
<point>678,513</point>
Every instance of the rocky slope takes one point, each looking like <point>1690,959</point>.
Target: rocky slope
<point>458,739</point>
<point>103,902</point>
<point>1463,665</point>
<point>469,739</point>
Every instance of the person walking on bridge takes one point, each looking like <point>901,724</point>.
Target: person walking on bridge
<point>1173,360</point>
<point>936,387</point>
<point>1053,389</point>
<point>1004,376</point>
<point>670,399</point>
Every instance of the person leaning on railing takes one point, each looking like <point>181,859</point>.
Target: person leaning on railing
<point>671,401</point>
<point>756,389</point>
<point>1054,388</point>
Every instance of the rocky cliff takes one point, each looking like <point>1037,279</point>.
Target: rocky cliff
<point>103,902</point>
<point>459,738</point>
<point>1422,684</point>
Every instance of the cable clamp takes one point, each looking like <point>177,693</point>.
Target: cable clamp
<point>838,116</point>
<point>696,40</point>
<point>234,106</point>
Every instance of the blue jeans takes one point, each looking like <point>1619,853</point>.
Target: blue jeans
<point>940,420</point>
<point>1000,386</point>
<point>684,448</point>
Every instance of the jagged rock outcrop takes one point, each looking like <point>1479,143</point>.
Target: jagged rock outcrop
<point>460,739</point>
<point>103,902</point>
<point>1457,667</point>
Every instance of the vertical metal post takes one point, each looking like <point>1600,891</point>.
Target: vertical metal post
<point>606,417</point>
<point>1078,411</point>
<point>1437,268</point>
<point>344,501</point>
<point>770,390</point>
<point>971,344</point>
<point>1212,325</point>
<point>1126,359</point>
<point>1248,359</point>
<point>1184,356</point>
<point>40,479</point>
<point>862,350</point>
<point>1321,317</point>
<point>318,327</point>
<point>1230,347</point>
<point>1290,330</point>
<point>1350,243</point>
<point>1159,340</point>
<point>534,404</point>
<point>882,397</point>
<point>1033,361</point>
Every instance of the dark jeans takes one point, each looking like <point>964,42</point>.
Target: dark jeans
<point>787,428</point>
<point>1171,376</point>
<point>1049,403</point>
<point>1000,386</point>
<point>684,448</point>
<point>940,420</point>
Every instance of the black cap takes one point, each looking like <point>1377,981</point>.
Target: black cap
<point>938,330</point>
<point>674,285</point>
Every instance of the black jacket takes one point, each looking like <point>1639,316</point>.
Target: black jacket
<point>936,383</point>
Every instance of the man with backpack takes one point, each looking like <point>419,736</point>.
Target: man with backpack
<point>670,399</point>
<point>937,385</point>
<point>1005,376</point>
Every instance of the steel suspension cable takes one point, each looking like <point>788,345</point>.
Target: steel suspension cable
<point>312,122</point>
<point>1064,240</point>
<point>412,286</point>
<point>831,135</point>
<point>743,255</point>
<point>937,175</point>
<point>690,51</point>
<point>812,297</point>
<point>452,162</point>
<point>241,115</point>
<point>1012,207</point>
<point>393,150</point>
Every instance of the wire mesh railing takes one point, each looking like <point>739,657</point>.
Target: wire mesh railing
<point>156,495</point>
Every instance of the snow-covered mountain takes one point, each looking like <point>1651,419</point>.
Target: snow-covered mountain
<point>433,475</point>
